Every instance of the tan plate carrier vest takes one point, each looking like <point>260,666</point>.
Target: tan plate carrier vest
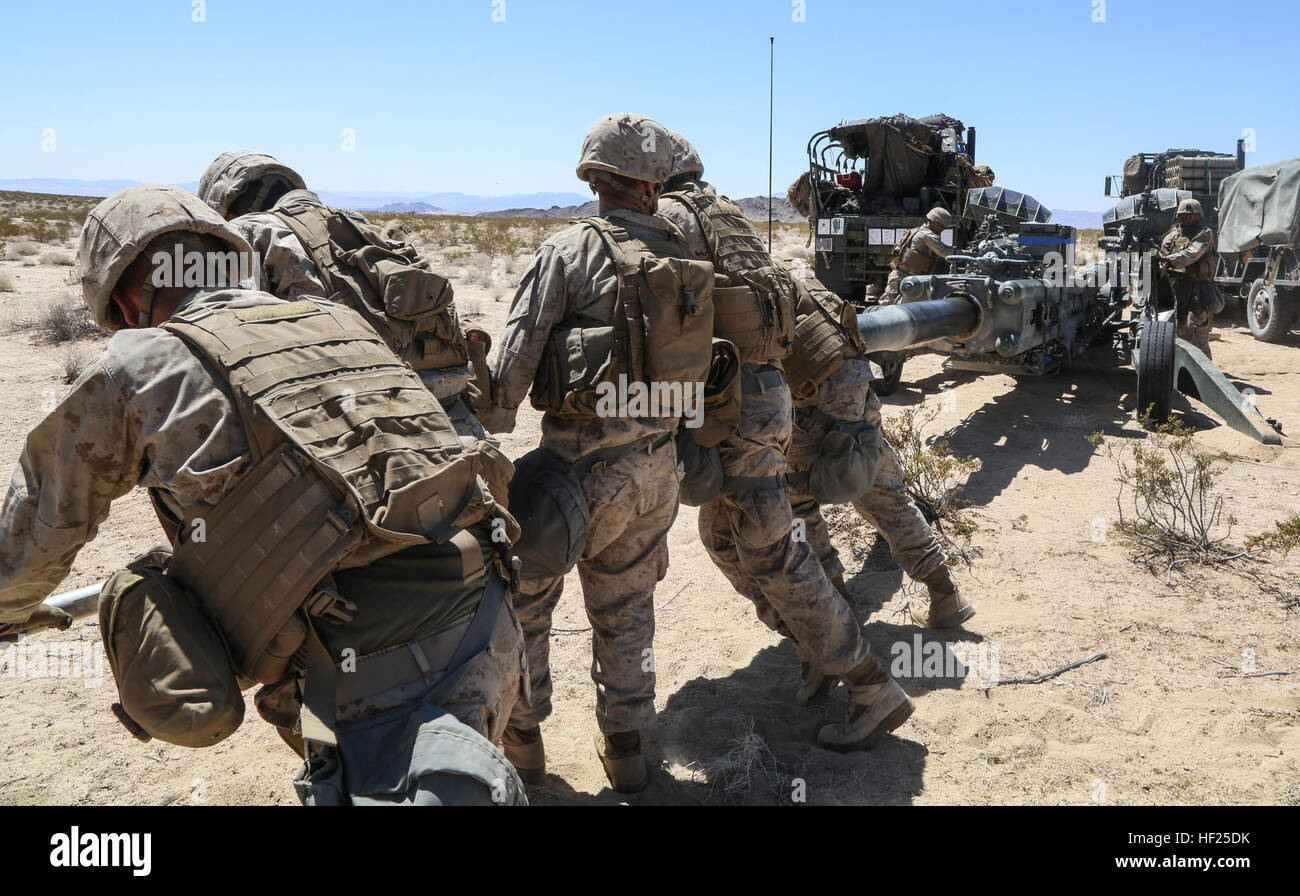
<point>353,460</point>
<point>755,312</point>
<point>912,260</point>
<point>825,335</point>
<point>661,331</point>
<point>388,284</point>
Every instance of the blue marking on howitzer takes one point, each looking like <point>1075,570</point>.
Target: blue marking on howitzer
<point>1043,240</point>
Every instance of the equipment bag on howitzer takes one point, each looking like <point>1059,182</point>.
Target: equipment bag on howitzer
<point>661,331</point>
<point>755,310</point>
<point>825,334</point>
<point>353,460</point>
<point>384,280</point>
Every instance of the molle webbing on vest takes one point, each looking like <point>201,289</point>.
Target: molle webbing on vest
<point>825,334</point>
<point>756,312</point>
<point>354,460</point>
<point>389,285</point>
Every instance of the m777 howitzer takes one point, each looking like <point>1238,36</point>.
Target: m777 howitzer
<point>1013,304</point>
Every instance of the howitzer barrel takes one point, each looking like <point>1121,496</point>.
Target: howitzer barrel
<point>893,328</point>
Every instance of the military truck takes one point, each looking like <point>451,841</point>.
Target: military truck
<point>1197,172</point>
<point>871,180</point>
<point>1259,226</point>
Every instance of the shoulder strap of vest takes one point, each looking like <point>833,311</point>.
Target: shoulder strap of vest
<point>310,224</point>
<point>698,201</point>
<point>627,319</point>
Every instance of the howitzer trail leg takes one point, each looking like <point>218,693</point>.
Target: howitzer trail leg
<point>1196,375</point>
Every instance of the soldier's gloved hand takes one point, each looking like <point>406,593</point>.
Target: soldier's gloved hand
<point>43,616</point>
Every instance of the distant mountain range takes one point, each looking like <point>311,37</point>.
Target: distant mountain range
<point>520,205</point>
<point>427,203</point>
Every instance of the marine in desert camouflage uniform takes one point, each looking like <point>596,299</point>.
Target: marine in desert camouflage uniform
<point>631,494</point>
<point>1189,253</point>
<point>247,189</point>
<point>748,528</point>
<point>149,412</point>
<point>846,397</point>
<point>918,251</point>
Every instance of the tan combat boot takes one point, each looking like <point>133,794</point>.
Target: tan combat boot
<point>948,609</point>
<point>524,750</point>
<point>623,760</point>
<point>814,685</point>
<point>877,705</point>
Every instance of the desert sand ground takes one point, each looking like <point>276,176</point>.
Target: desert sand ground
<point>1154,723</point>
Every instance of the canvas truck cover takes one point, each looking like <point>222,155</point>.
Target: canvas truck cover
<point>1260,207</point>
<point>899,149</point>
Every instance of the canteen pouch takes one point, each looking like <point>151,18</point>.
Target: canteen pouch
<point>175,679</point>
<point>846,463</point>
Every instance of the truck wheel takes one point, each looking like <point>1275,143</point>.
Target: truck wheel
<point>1268,313</point>
<point>1155,373</point>
<point>891,370</point>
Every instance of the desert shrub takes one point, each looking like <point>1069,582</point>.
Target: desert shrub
<point>6,281</point>
<point>26,248</point>
<point>65,321</point>
<point>60,258</point>
<point>1167,502</point>
<point>74,361</point>
<point>935,476</point>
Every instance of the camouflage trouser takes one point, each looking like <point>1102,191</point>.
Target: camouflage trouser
<point>747,530</point>
<point>400,748</point>
<point>887,506</point>
<point>1194,323</point>
<point>633,503</point>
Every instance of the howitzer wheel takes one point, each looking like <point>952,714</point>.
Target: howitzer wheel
<point>891,372</point>
<point>1269,312</point>
<point>1155,369</point>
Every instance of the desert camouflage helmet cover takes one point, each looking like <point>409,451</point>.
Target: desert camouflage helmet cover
<point>1189,207</point>
<point>231,173</point>
<point>940,216</point>
<point>631,145</point>
<point>124,224</point>
<point>686,161</point>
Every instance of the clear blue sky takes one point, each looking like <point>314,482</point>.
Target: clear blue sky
<point>442,98</point>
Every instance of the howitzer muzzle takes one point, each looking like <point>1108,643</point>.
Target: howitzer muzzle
<point>894,328</point>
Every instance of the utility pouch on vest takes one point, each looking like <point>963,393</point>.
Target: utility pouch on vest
<point>676,306</point>
<point>175,679</point>
<point>575,361</point>
<point>722,397</point>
